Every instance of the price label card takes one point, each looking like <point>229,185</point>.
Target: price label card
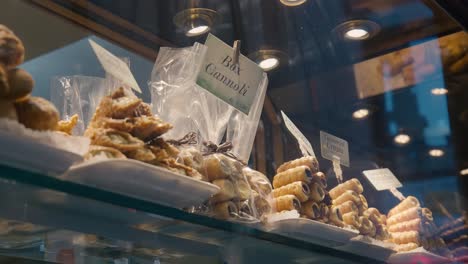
<point>236,84</point>
<point>382,179</point>
<point>304,144</point>
<point>334,148</point>
<point>115,66</point>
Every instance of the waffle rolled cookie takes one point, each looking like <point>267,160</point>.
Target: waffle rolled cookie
<point>287,202</point>
<point>347,196</point>
<point>353,185</point>
<point>310,162</point>
<point>406,247</point>
<point>298,189</point>
<point>225,210</point>
<point>301,173</point>
<point>404,216</point>
<point>311,209</point>
<point>411,225</point>
<point>317,193</point>
<point>404,205</point>
<point>406,237</point>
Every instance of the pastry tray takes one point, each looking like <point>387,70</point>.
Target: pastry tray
<point>418,255</point>
<point>143,181</point>
<point>312,231</point>
<point>29,154</point>
<point>369,247</point>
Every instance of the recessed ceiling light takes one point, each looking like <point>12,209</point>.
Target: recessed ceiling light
<point>269,64</point>
<point>198,30</point>
<point>402,139</point>
<point>292,2</point>
<point>464,172</point>
<point>356,30</point>
<point>436,152</point>
<point>439,91</point>
<point>361,113</point>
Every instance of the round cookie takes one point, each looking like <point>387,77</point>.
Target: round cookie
<point>11,49</point>
<point>21,84</point>
<point>37,113</point>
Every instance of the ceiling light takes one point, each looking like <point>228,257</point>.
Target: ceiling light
<point>199,30</point>
<point>196,21</point>
<point>464,172</point>
<point>402,139</point>
<point>436,152</point>
<point>269,64</point>
<point>292,2</point>
<point>356,30</point>
<point>439,91</point>
<point>361,113</point>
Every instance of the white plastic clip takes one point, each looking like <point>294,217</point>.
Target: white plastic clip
<point>236,47</point>
<point>397,194</point>
<point>337,169</point>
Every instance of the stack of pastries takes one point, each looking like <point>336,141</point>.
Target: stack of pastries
<point>299,185</point>
<point>347,197</point>
<point>412,226</point>
<point>124,127</point>
<point>234,198</point>
<point>16,85</point>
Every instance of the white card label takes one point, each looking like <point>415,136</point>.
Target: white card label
<point>304,144</point>
<point>382,179</point>
<point>236,84</point>
<point>115,66</point>
<point>334,148</point>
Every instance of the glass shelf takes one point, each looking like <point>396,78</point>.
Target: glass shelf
<point>70,210</point>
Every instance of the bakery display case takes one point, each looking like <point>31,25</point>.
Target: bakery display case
<point>270,131</point>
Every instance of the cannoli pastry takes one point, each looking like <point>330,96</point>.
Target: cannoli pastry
<point>404,216</point>
<point>121,141</point>
<point>363,205</point>
<point>258,181</point>
<point>20,84</point>
<point>317,193</point>
<point>327,199</point>
<point>411,225</point>
<point>106,152</point>
<point>311,209</point>
<point>373,214</point>
<point>227,192</point>
<point>347,196</point>
<point>11,48</point>
<point>217,167</point>
<point>407,203</point>
<point>367,227</point>
<point>348,206</point>
<point>381,232</point>
<point>298,189</point>
<point>406,237</point>
<point>335,217</point>
<point>324,212</point>
<point>351,219</point>
<point>320,178</point>
<point>427,214</point>
<point>310,162</point>
<point>286,203</point>
<point>37,113</point>
<point>67,126</point>
<point>353,185</point>
<point>300,173</point>
<point>225,210</point>
<point>8,110</point>
<point>406,247</point>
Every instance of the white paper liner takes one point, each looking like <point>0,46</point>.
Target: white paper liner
<point>74,144</point>
<point>293,214</point>
<point>375,242</point>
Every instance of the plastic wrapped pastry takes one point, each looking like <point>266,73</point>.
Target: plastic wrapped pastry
<point>335,217</point>
<point>106,152</point>
<point>300,173</point>
<point>317,193</point>
<point>310,162</point>
<point>37,113</point>
<point>404,216</point>
<point>287,203</point>
<point>227,192</point>
<point>406,237</point>
<point>243,190</point>
<point>351,219</point>
<point>217,167</point>
<point>119,140</point>
<point>311,209</point>
<point>258,181</point>
<point>406,247</point>
<point>225,210</point>
<point>353,185</point>
<point>347,196</point>
<point>193,158</point>
<point>411,225</point>
<point>298,189</point>
<point>348,206</point>
<point>367,227</point>
<point>407,203</point>
<point>262,205</point>
<point>245,208</point>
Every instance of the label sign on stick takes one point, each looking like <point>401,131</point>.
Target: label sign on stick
<point>304,144</point>
<point>236,84</point>
<point>334,148</point>
<point>382,179</point>
<point>114,66</point>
